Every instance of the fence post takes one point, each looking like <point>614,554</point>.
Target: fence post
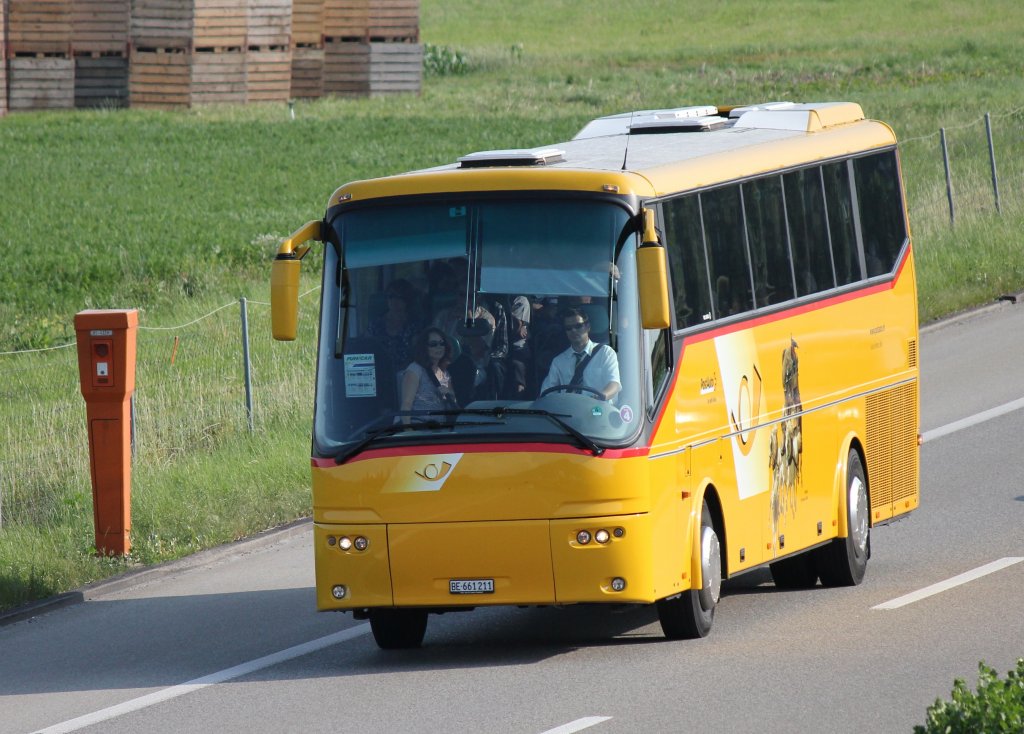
<point>949,180</point>
<point>245,359</point>
<point>992,160</point>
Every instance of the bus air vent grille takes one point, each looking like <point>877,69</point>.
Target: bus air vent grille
<point>892,453</point>
<point>912,353</point>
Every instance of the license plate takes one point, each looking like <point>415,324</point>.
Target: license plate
<point>471,586</point>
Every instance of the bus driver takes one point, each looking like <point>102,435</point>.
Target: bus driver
<point>586,363</point>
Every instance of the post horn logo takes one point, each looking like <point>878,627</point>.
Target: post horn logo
<point>434,472</point>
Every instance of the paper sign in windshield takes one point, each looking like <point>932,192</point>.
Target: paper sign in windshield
<point>360,376</point>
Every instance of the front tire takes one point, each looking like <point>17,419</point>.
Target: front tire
<point>844,561</point>
<point>398,629</point>
<point>690,615</point>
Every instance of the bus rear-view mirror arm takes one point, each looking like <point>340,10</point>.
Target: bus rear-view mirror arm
<point>652,272</point>
<point>284,281</point>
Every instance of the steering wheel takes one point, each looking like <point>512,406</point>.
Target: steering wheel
<point>572,388</point>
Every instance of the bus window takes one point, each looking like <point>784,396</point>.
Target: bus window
<point>805,211</point>
<point>685,243</point>
<point>881,211</point>
<point>769,245</point>
<point>727,250</point>
<point>839,207</point>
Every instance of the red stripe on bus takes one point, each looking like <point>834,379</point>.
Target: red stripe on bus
<point>483,448</point>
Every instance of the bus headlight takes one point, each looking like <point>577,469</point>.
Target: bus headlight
<point>583,537</point>
<point>618,584</point>
<point>339,591</point>
<point>602,536</point>
<point>345,543</point>
<point>360,543</point>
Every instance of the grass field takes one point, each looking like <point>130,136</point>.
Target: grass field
<point>179,213</point>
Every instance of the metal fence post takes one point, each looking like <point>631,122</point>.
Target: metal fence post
<point>992,160</point>
<point>949,180</point>
<point>245,359</point>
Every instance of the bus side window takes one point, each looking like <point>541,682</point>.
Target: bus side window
<point>805,211</point>
<point>727,250</point>
<point>688,266</point>
<point>881,211</point>
<point>839,206</point>
<point>769,246</point>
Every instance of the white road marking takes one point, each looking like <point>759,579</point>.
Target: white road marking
<point>972,420</point>
<point>237,671</point>
<point>938,588</point>
<point>578,725</point>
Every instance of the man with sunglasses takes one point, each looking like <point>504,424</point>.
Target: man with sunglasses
<point>585,362</point>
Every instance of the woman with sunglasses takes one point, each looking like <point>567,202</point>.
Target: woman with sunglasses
<point>426,384</point>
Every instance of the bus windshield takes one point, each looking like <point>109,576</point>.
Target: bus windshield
<point>479,320</point>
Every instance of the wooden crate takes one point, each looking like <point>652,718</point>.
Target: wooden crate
<point>160,79</point>
<point>3,72</point>
<point>393,20</point>
<point>218,78</point>
<point>41,83</point>
<point>308,72</point>
<point>346,68</point>
<point>395,68</point>
<point>219,24</point>
<point>3,59</point>
<point>100,26</point>
<point>307,22</point>
<point>269,23</point>
<point>211,25</point>
<point>101,81</point>
<point>161,24</point>
<point>268,75</point>
<point>346,20</point>
<point>39,26</point>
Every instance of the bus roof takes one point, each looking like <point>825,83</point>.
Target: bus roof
<point>651,153</point>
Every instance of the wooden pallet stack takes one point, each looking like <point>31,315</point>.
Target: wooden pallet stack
<point>187,52</point>
<point>3,58</point>
<point>268,52</point>
<point>99,43</point>
<point>371,47</point>
<point>307,66</point>
<point>40,71</point>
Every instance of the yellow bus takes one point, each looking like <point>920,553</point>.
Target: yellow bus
<point>736,285</point>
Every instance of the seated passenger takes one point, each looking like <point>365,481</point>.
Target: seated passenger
<point>475,374</point>
<point>585,362</point>
<point>426,384</point>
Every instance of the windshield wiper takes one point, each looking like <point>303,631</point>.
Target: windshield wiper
<point>556,418</point>
<point>372,434</point>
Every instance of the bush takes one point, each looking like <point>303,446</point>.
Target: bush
<point>443,60</point>
<point>996,708</point>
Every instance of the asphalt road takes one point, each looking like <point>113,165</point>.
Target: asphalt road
<point>229,641</point>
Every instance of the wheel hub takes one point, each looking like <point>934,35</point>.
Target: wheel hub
<point>710,568</point>
<point>858,501</point>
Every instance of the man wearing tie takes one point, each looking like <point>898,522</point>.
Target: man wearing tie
<point>586,363</point>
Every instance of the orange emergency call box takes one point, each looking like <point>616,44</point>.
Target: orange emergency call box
<point>106,366</point>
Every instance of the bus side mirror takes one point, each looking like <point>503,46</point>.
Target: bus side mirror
<point>284,282</point>
<point>652,273</point>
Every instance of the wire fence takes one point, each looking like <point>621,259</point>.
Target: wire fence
<point>198,384</point>
<point>201,382</point>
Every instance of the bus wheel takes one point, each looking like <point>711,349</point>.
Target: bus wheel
<point>690,615</point>
<point>844,560</point>
<point>798,572</point>
<point>398,629</point>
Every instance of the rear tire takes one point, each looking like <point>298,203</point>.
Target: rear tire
<point>691,614</point>
<point>798,572</point>
<point>398,629</point>
<point>844,561</point>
